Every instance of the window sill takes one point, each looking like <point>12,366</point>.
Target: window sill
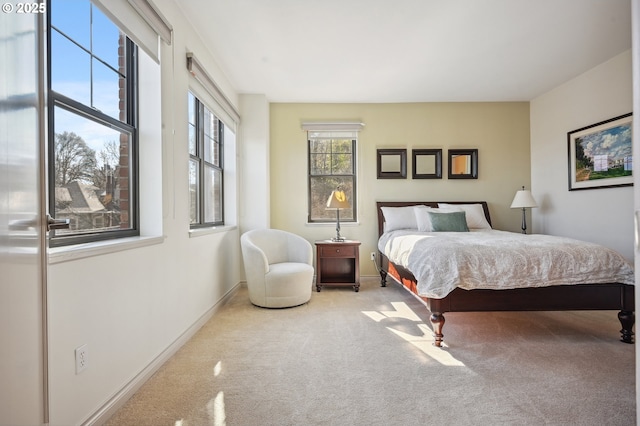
<point>207,231</point>
<point>81,251</point>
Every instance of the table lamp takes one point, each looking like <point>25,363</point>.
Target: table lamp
<point>523,200</point>
<point>338,200</point>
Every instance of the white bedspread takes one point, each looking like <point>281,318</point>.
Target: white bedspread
<point>442,261</point>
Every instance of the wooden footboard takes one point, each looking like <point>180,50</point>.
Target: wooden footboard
<point>612,296</point>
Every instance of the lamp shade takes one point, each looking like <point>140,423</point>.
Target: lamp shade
<point>338,200</point>
<point>523,199</point>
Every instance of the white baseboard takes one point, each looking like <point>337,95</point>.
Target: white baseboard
<point>118,400</point>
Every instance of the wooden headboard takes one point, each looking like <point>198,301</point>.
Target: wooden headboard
<point>379,204</point>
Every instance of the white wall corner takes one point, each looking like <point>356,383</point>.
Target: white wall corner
<point>254,173</point>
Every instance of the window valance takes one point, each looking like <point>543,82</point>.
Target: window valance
<point>198,71</point>
<point>141,21</point>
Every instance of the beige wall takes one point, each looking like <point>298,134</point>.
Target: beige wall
<point>500,132</point>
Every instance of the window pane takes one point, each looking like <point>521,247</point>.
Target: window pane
<point>208,122</point>
<point>341,164</point>
<point>106,38</point>
<point>194,205</point>
<point>211,127</point>
<point>208,134</point>
<point>209,146</point>
<point>211,151</point>
<point>70,69</point>
<point>319,146</point>
<point>331,157</point>
<point>192,139</point>
<point>191,100</point>
<point>213,195</point>
<point>92,174</point>
<point>216,154</point>
<point>320,164</point>
<point>321,188</point>
<point>343,145</point>
<point>107,97</point>
<point>72,17</point>
<point>211,135</point>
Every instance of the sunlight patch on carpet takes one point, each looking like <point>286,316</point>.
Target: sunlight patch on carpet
<point>216,410</point>
<point>423,341</point>
<point>402,310</point>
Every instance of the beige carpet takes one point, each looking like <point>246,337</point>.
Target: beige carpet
<point>366,358</point>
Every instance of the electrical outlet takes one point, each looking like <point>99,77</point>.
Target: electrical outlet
<point>373,255</point>
<point>82,358</point>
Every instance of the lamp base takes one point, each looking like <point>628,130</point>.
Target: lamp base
<point>338,240</point>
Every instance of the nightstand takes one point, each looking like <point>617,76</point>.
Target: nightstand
<point>337,264</point>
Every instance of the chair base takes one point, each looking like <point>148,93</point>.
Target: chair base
<point>280,307</point>
<point>287,285</point>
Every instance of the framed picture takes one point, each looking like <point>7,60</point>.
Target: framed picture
<point>463,164</point>
<point>427,163</point>
<point>392,164</point>
<point>600,155</point>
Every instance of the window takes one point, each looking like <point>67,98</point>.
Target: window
<point>205,166</point>
<point>92,75</point>
<point>332,159</point>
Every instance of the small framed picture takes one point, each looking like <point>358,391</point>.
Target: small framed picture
<point>463,164</point>
<point>427,163</point>
<point>392,163</point>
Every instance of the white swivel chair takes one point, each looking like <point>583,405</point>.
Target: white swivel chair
<point>278,266</point>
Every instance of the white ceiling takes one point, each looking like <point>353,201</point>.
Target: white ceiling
<point>408,50</point>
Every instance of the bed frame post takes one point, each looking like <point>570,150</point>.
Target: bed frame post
<point>627,314</point>
<point>382,268</point>
<point>437,319</point>
<point>383,278</point>
<point>627,319</point>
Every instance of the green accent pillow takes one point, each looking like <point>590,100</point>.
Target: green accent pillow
<point>448,222</point>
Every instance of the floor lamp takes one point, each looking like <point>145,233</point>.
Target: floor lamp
<point>523,200</point>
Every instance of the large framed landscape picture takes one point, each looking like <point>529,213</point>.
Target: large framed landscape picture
<point>600,155</point>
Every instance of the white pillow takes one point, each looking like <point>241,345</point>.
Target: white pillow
<point>399,218</point>
<point>422,217</point>
<point>475,214</point>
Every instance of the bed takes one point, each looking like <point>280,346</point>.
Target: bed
<point>538,291</point>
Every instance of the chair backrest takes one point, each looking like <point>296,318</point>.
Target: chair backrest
<point>272,242</point>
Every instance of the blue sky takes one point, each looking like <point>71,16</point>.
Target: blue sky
<point>74,70</point>
<point>72,17</point>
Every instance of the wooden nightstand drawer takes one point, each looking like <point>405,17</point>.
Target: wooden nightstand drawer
<point>341,251</point>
